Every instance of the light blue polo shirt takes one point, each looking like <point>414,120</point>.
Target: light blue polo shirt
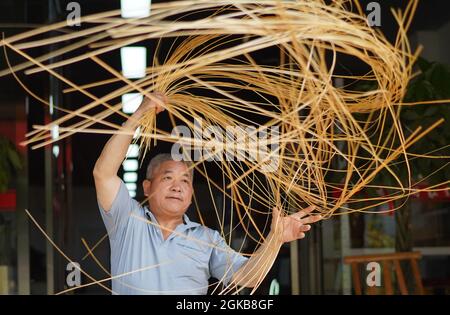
<point>143,263</point>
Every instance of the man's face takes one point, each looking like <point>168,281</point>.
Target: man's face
<point>170,189</point>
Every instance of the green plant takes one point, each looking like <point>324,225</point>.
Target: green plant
<point>10,162</point>
<point>433,83</point>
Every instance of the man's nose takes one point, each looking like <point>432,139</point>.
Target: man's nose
<point>175,187</point>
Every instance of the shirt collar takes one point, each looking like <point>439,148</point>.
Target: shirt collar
<point>187,224</point>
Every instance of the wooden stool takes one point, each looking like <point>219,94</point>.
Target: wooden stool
<point>386,261</point>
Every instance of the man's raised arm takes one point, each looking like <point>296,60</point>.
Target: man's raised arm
<point>107,183</point>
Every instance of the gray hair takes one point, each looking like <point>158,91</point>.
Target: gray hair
<point>158,159</point>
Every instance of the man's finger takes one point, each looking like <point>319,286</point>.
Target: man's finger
<point>304,228</point>
<point>312,219</point>
<point>304,212</point>
<point>309,209</point>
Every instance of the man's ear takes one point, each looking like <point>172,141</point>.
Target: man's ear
<point>146,184</point>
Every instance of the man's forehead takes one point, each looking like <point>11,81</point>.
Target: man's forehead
<point>172,171</point>
<point>173,167</point>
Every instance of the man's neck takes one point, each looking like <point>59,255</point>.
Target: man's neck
<point>168,224</point>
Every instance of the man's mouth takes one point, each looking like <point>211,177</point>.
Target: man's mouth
<point>174,198</point>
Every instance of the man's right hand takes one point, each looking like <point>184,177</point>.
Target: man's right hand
<point>148,104</point>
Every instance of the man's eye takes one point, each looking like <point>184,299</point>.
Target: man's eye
<point>166,177</point>
<point>185,181</point>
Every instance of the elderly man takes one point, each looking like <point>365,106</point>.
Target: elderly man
<point>156,249</point>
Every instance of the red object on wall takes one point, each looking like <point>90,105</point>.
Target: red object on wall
<point>14,130</point>
<point>8,201</point>
<point>439,195</point>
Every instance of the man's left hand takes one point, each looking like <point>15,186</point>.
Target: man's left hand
<point>294,226</point>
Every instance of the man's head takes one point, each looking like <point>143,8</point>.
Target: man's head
<point>168,185</point>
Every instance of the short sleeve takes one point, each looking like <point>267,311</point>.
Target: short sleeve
<point>117,218</point>
<point>225,261</point>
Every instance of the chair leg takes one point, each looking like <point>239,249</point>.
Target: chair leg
<point>356,279</point>
<point>387,277</point>
<point>400,277</point>
<point>418,280</point>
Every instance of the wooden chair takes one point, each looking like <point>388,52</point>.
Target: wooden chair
<point>387,260</point>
